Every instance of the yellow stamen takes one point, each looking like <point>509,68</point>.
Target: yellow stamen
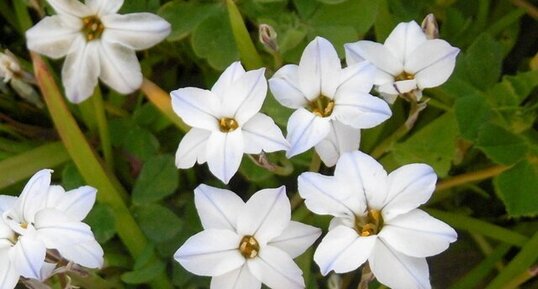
<point>322,106</point>
<point>227,124</point>
<point>92,27</point>
<point>370,224</point>
<point>249,247</point>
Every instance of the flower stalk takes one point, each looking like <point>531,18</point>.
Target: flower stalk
<point>161,100</point>
<point>247,50</point>
<point>102,125</point>
<point>470,177</point>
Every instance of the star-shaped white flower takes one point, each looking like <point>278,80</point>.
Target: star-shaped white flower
<point>376,219</point>
<point>98,42</point>
<point>407,62</point>
<point>46,217</point>
<point>226,122</point>
<point>332,104</point>
<point>246,244</point>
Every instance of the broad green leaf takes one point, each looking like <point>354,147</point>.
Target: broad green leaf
<point>71,178</point>
<point>433,145</point>
<point>384,22</point>
<point>186,16</point>
<point>158,179</point>
<point>146,268</point>
<point>513,89</point>
<point>157,222</point>
<point>139,6</point>
<point>331,1</point>
<point>482,61</point>
<point>212,40</point>
<point>101,220</point>
<point>471,113</point>
<point>517,188</point>
<point>359,14</point>
<point>337,35</point>
<point>137,141</point>
<point>501,145</point>
<point>306,7</point>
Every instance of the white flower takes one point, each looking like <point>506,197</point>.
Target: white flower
<point>46,217</point>
<point>246,244</point>
<point>98,42</point>
<point>332,103</point>
<point>9,66</point>
<point>226,122</point>
<point>376,219</point>
<point>407,62</point>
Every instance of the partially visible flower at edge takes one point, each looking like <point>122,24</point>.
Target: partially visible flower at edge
<point>407,62</point>
<point>226,122</point>
<point>376,219</point>
<point>246,244</point>
<point>45,217</point>
<point>332,104</point>
<point>9,66</point>
<point>98,42</point>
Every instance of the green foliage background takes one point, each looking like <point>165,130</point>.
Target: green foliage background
<point>479,132</point>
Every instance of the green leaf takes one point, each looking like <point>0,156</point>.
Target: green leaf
<point>71,178</point>
<point>146,268</point>
<point>516,187</point>
<point>331,1</point>
<point>359,14</point>
<point>512,90</point>
<point>101,220</point>
<point>157,222</point>
<point>500,145</point>
<point>472,113</point>
<point>158,179</point>
<point>337,35</point>
<point>212,40</point>
<point>482,61</point>
<point>185,16</point>
<point>433,145</point>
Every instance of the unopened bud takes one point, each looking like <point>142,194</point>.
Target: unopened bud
<point>268,35</point>
<point>430,27</point>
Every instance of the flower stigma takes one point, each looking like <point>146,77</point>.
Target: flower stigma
<point>370,224</point>
<point>249,247</point>
<point>92,27</point>
<point>322,106</point>
<point>227,124</point>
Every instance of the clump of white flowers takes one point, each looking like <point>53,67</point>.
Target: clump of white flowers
<point>43,221</point>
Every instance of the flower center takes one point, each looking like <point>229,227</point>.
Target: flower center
<point>370,224</point>
<point>404,76</point>
<point>322,106</point>
<point>249,247</point>
<point>92,27</point>
<point>227,124</point>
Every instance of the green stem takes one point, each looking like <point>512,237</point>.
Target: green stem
<point>486,248</point>
<point>161,100</point>
<point>249,55</point>
<point>110,190</point>
<point>21,10</point>
<point>522,278</point>
<point>102,125</point>
<point>9,16</point>
<point>470,177</point>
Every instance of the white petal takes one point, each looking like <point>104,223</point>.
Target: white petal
<point>240,278</point>
<point>28,256</point>
<point>356,78</point>
<point>266,215</point>
<point>224,153</point>
<point>53,36</point>
<point>261,133</point>
<point>341,139</point>
<point>81,70</point>
<point>8,274</point>
<point>88,254</point>
<point>57,230</point>
<point>342,250</point>
<point>136,30</point>
<point>6,235</point>
<point>119,68</point>
<point>217,208</point>
<point>319,69</point>
<point>409,187</point>
<point>227,78</point>
<point>76,203</point>
<point>305,130</point>
<point>404,39</point>
<point>7,203</point>
<point>398,87</point>
<point>196,107</point>
<point>432,63</point>
<point>245,97</point>
<point>70,7</point>
<point>361,110</point>
<point>397,270</point>
<point>417,234</point>
<point>192,147</point>
<point>324,195</point>
<point>211,253</point>
<point>365,177</point>
<point>296,238</point>
<point>276,269</point>
<point>33,196</point>
<point>378,55</point>
<point>284,86</point>
<point>103,7</point>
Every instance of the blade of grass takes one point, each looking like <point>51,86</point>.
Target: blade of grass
<point>249,55</point>
<point>24,165</point>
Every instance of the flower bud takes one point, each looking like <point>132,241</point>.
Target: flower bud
<point>267,36</point>
<point>430,27</point>
<point>9,66</point>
